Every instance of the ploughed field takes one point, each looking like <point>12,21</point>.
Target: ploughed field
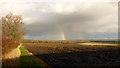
<point>71,54</point>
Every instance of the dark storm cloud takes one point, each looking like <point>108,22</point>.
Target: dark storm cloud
<point>77,20</point>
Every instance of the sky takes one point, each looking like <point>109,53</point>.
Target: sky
<point>77,20</point>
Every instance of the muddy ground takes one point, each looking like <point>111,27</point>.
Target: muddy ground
<point>59,54</point>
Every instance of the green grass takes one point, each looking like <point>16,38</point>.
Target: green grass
<point>27,60</point>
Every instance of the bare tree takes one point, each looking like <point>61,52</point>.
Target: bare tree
<point>12,27</point>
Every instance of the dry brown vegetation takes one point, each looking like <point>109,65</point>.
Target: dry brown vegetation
<point>12,27</point>
<point>10,53</point>
<point>8,45</point>
<point>12,35</point>
<point>60,54</point>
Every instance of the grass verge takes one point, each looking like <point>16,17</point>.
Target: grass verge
<point>27,60</point>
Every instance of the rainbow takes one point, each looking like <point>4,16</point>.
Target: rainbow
<point>63,36</point>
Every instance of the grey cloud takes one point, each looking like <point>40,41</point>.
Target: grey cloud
<point>91,21</point>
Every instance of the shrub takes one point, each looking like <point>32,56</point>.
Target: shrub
<point>8,45</point>
<point>12,27</point>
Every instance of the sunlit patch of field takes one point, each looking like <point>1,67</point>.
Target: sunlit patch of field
<point>98,44</point>
<point>74,54</point>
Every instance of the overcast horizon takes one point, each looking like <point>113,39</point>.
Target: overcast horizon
<point>78,21</point>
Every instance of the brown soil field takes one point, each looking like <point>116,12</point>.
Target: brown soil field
<point>59,54</point>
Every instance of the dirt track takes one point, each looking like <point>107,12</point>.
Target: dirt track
<point>58,54</point>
